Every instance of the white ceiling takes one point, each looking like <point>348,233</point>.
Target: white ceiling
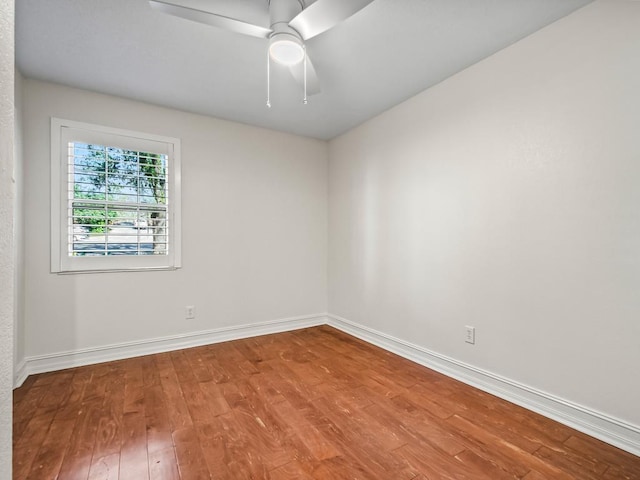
<point>384,54</point>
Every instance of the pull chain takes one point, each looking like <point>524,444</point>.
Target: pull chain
<point>304,101</point>
<point>268,79</point>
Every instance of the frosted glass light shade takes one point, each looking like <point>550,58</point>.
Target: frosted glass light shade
<point>286,49</point>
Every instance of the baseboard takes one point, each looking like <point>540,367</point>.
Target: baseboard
<point>88,356</point>
<point>20,373</point>
<point>596,424</point>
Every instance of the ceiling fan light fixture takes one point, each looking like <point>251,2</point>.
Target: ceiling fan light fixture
<point>286,49</point>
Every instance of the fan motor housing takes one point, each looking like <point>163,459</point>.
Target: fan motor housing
<point>285,43</point>
<point>283,11</point>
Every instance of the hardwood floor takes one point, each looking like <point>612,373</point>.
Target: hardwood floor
<point>310,404</point>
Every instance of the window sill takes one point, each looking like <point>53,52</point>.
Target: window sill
<point>117,270</point>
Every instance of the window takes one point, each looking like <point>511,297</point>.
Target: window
<point>115,199</point>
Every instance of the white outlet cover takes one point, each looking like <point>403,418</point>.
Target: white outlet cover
<point>471,335</point>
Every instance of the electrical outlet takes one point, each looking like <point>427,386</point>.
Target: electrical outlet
<point>190,312</point>
<point>470,336</point>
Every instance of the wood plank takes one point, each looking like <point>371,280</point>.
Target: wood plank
<point>173,397</point>
<point>214,398</point>
<point>25,405</point>
<point>106,453</point>
<point>433,464</point>
<point>212,442</point>
<point>47,462</point>
<point>56,390</point>
<point>163,464</point>
<point>150,371</point>
<point>105,468</point>
<point>615,472</point>
<point>199,365</point>
<point>20,393</point>
<point>504,454</point>
<point>27,445</point>
<point>158,424</point>
<point>134,460</point>
<point>77,461</point>
<point>626,464</point>
<point>411,402</point>
<point>344,468</point>
<point>289,385</point>
<point>573,463</point>
<point>134,387</point>
<point>533,475</point>
<point>264,385</point>
<point>365,445</point>
<point>243,459</point>
<point>505,420</point>
<point>191,461</point>
<point>475,463</point>
<point>415,427</point>
<point>321,447</point>
<point>196,402</point>
<point>261,445</point>
<point>290,471</point>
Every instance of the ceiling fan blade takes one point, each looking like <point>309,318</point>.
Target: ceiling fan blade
<point>212,19</point>
<point>325,14</point>
<point>313,84</point>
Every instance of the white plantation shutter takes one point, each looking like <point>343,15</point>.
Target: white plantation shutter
<point>115,199</point>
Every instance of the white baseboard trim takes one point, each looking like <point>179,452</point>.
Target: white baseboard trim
<point>599,425</point>
<point>88,356</point>
<point>20,373</point>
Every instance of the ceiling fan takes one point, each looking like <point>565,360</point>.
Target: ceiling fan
<point>292,22</point>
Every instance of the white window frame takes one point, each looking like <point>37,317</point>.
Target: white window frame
<point>63,131</point>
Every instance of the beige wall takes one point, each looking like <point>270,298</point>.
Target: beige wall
<point>507,198</point>
<point>7,253</point>
<point>254,218</point>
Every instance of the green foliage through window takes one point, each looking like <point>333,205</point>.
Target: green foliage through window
<point>118,201</point>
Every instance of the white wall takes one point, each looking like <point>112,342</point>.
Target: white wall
<point>18,221</point>
<point>507,198</point>
<point>254,230</point>
<point>7,254</point>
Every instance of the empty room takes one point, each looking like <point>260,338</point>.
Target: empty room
<point>319,239</point>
